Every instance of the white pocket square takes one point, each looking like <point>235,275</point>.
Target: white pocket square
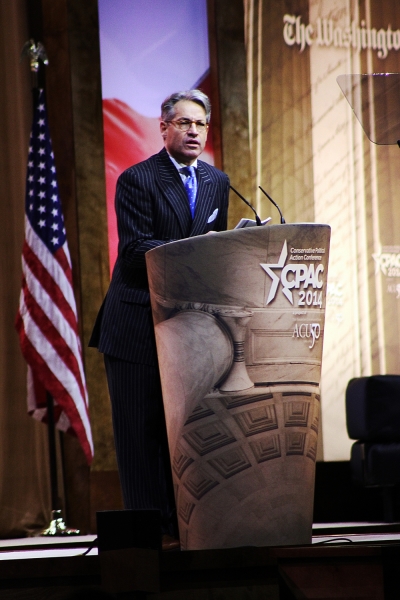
<point>213,216</point>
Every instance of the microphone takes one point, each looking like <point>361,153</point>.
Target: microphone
<point>274,203</point>
<point>258,220</point>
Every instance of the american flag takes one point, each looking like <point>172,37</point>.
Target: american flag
<point>47,317</point>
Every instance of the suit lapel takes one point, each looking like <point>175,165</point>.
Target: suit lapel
<point>174,191</point>
<point>204,201</point>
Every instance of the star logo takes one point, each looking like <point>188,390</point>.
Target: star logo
<point>269,269</point>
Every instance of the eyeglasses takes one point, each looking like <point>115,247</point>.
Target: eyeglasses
<point>185,125</point>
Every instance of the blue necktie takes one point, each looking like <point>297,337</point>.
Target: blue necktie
<point>190,184</point>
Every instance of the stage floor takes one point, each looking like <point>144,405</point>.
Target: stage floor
<point>323,533</point>
<point>344,560</point>
<point>45,547</point>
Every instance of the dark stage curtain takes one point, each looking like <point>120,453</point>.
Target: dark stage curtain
<point>24,479</point>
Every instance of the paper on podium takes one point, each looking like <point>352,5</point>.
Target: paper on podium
<point>250,223</point>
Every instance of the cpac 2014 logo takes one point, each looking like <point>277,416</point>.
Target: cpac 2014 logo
<point>295,276</point>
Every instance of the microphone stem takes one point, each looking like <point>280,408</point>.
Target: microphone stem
<point>258,220</point>
<point>274,203</point>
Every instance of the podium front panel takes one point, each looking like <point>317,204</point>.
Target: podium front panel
<point>239,323</point>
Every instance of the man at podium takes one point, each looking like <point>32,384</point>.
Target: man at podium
<point>170,196</point>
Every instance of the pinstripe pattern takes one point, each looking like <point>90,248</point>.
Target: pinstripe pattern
<point>141,439</point>
<point>152,209</point>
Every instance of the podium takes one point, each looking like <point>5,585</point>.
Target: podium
<point>239,323</point>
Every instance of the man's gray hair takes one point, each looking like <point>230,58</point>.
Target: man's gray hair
<point>197,96</point>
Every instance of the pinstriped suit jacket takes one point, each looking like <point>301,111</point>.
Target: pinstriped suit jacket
<point>152,209</point>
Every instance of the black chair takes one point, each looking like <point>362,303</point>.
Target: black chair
<point>373,419</point>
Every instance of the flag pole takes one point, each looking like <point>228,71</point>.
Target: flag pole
<point>57,526</point>
<point>51,435</point>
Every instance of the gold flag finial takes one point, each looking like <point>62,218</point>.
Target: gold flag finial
<point>36,52</point>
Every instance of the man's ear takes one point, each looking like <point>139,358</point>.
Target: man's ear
<point>163,129</point>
